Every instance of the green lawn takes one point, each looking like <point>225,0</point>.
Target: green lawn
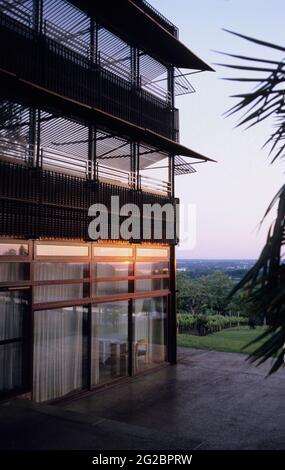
<point>228,340</point>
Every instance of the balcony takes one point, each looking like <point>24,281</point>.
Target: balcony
<point>168,25</point>
<point>39,203</point>
<point>43,61</point>
<point>68,164</point>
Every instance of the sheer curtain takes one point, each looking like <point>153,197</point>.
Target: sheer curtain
<point>58,352</point>
<point>11,327</point>
<point>149,325</point>
<point>60,272</point>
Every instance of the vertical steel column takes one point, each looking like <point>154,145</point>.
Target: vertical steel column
<point>93,52</point>
<point>92,42</point>
<point>172,340</point>
<point>130,337</point>
<point>135,164</point>
<point>172,335</point>
<point>32,135</point>
<point>38,15</point>
<point>135,80</point>
<point>135,67</point>
<point>92,171</point>
<point>35,114</point>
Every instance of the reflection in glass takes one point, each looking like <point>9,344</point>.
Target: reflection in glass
<point>124,268</point>
<point>151,284</point>
<point>56,293</point>
<point>60,352</point>
<point>152,252</point>
<point>112,251</point>
<point>149,332</point>
<point>149,269</point>
<point>60,271</point>
<point>109,341</point>
<point>14,272</point>
<point>61,250</point>
<point>109,288</point>
<point>14,249</point>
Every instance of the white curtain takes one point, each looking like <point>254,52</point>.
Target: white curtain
<point>13,271</point>
<point>58,271</point>
<point>58,352</point>
<point>11,318</point>
<point>150,325</point>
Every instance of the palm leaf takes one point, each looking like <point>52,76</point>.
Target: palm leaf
<point>264,284</point>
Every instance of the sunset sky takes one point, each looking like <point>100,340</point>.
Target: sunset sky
<point>231,196</point>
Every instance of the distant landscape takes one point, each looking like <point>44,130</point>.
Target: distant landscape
<point>207,318</point>
<point>235,269</point>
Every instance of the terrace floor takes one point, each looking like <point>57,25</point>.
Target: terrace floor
<point>210,400</point>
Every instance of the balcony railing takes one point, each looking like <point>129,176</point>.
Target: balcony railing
<point>161,18</point>
<point>50,159</point>
<point>41,60</point>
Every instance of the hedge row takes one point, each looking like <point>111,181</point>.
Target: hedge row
<point>206,324</point>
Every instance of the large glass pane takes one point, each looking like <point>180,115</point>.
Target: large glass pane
<point>60,352</point>
<point>13,315</point>
<point>61,292</point>
<point>112,251</point>
<point>110,288</point>
<point>109,341</point>
<point>60,271</point>
<point>11,367</point>
<point>10,272</point>
<point>152,252</point>
<point>149,268</point>
<point>124,268</point>
<point>13,308</point>
<point>14,249</point>
<point>149,332</point>
<point>151,284</point>
<point>62,250</point>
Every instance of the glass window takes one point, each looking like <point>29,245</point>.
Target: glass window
<point>109,341</point>
<point>14,249</point>
<point>56,293</point>
<point>149,332</point>
<point>149,269</point>
<point>13,313</point>
<point>12,272</point>
<point>60,352</point>
<point>110,288</point>
<point>60,271</point>
<point>152,252</point>
<point>112,251</point>
<point>13,308</point>
<point>151,284</point>
<point>124,268</point>
<point>61,250</point>
<point>11,357</point>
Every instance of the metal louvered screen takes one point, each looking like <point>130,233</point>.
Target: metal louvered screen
<point>181,167</point>
<point>67,25</point>
<point>21,11</point>
<point>114,54</point>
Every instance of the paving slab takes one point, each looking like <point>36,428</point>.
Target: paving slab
<point>215,398</point>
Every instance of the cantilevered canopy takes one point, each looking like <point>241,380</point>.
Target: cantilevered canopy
<point>40,95</point>
<point>129,20</point>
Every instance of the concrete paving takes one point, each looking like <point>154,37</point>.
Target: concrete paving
<point>215,398</point>
<point>210,400</point>
<point>29,426</point>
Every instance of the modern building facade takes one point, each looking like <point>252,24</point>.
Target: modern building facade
<point>87,113</point>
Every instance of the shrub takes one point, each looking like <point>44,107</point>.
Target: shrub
<point>205,324</point>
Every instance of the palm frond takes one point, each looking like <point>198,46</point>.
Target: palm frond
<point>267,98</point>
<point>264,284</point>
